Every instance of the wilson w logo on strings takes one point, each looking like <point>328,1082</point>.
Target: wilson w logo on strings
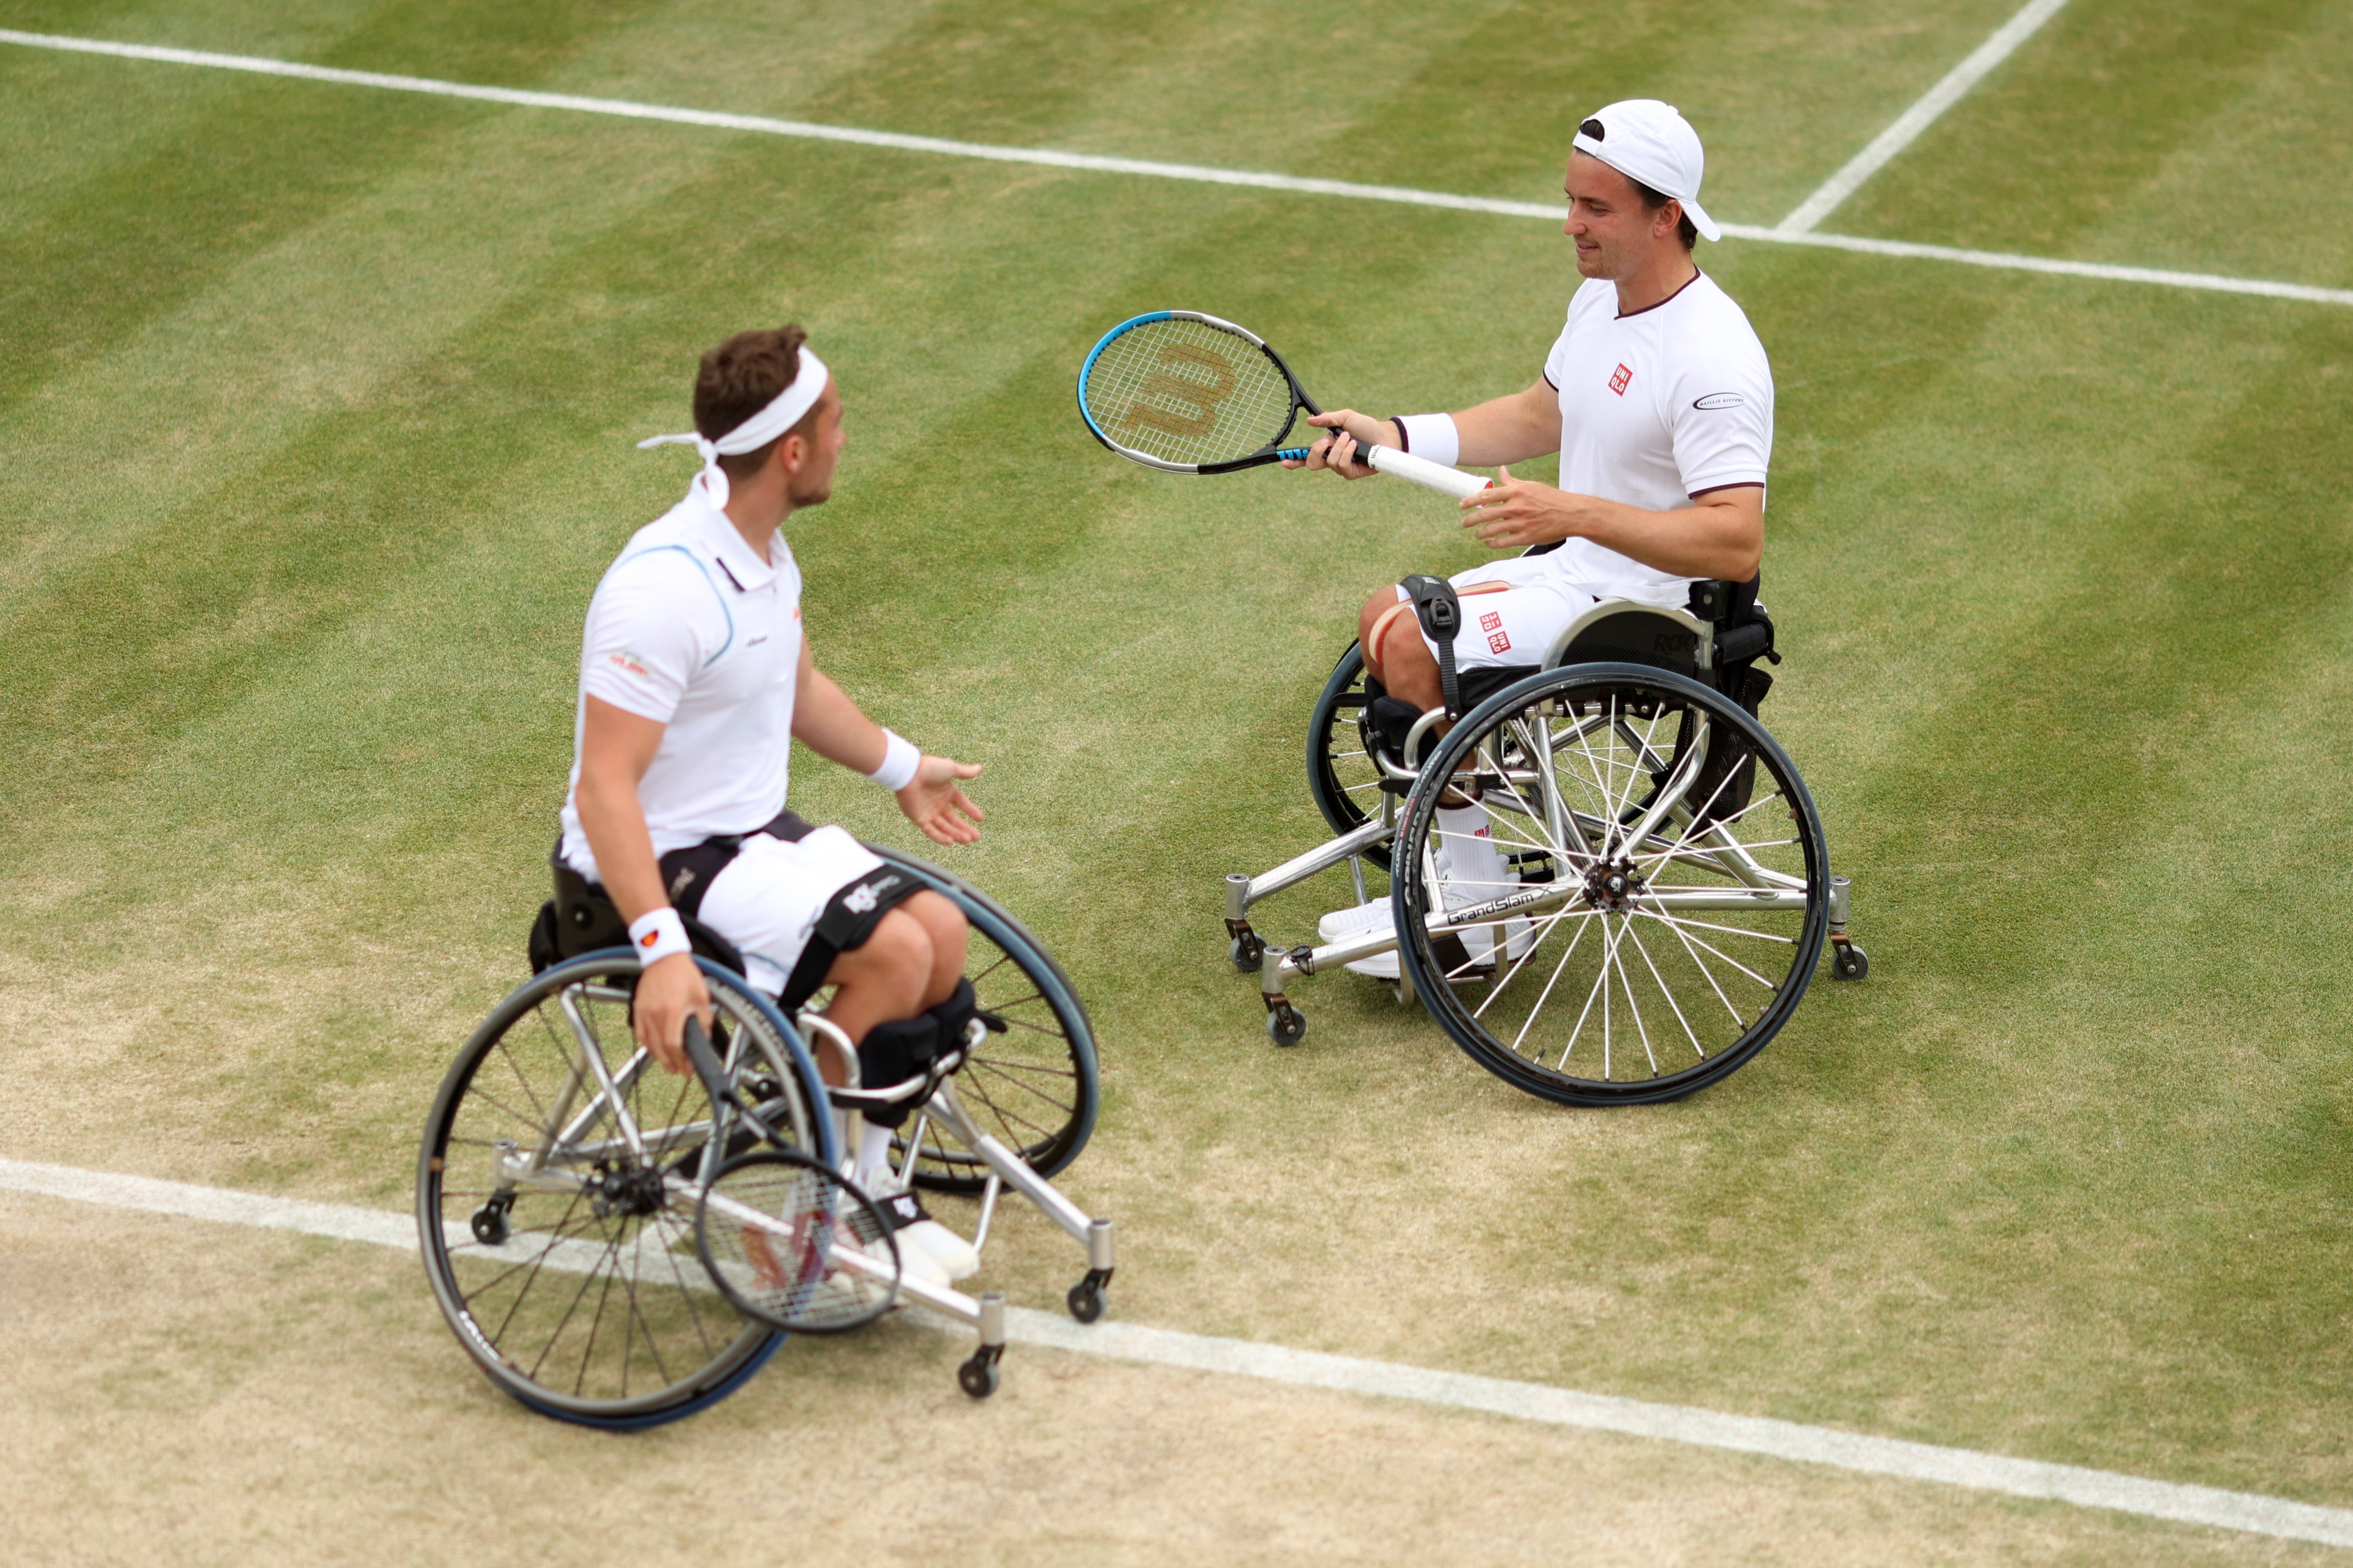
<point>1165,392</point>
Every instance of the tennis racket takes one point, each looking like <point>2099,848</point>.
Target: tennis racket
<point>1188,393</point>
<point>795,1246</point>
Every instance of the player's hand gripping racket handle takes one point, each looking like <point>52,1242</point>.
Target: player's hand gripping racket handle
<point>1422,471</point>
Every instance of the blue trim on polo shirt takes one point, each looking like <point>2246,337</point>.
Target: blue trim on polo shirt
<point>707,583</point>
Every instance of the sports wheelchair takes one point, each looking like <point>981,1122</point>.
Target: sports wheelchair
<point>1665,892</point>
<point>563,1181</point>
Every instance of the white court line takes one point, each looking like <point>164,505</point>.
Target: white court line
<point>1919,117</point>
<point>1094,163</point>
<point>2245,1511</point>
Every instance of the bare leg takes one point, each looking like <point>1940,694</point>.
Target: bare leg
<point>882,979</point>
<point>1394,654</point>
<point>945,924</point>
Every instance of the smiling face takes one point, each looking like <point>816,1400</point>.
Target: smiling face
<point>1615,235</point>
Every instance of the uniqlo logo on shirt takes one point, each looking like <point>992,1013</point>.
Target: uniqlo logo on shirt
<point>1490,621</point>
<point>1498,642</point>
<point>1618,382</point>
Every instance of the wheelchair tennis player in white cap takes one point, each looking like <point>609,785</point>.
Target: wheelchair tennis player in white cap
<point>696,677</point>
<point>1659,399</point>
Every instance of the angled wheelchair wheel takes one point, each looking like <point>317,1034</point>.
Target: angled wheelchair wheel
<point>556,1195</point>
<point>1652,935</point>
<point>1033,1085</point>
<point>1341,777</point>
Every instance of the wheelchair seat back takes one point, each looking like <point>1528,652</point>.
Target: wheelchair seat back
<point>582,918</point>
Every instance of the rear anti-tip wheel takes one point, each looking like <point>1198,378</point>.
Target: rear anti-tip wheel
<point>1086,1301</point>
<point>1849,961</point>
<point>1247,953</point>
<point>1287,1025</point>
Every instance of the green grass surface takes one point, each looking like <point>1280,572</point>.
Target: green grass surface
<point>318,407</point>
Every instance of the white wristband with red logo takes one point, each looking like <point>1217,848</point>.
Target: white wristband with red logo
<point>657,934</point>
<point>901,758</point>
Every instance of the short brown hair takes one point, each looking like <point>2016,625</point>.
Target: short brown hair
<point>739,378</point>
<point>1685,230</point>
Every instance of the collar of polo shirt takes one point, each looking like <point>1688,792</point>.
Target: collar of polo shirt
<point>784,411</point>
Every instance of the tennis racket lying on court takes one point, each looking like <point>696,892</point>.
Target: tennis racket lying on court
<point>1188,393</point>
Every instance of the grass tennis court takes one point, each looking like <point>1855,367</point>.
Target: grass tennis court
<point>318,405</point>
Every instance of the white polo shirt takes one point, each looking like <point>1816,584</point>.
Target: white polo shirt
<point>691,628</point>
<point>1656,406</point>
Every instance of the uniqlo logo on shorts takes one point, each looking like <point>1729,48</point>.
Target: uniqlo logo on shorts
<point>1490,622</point>
<point>1618,383</point>
<point>1497,642</point>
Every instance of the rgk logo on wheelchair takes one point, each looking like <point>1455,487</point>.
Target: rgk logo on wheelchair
<point>1663,893</point>
<point>619,1248</point>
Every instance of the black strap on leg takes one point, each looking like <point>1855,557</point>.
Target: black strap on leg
<point>893,1053</point>
<point>955,1015</point>
<point>1441,614</point>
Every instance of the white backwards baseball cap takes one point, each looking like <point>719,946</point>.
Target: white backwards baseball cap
<point>1651,142</point>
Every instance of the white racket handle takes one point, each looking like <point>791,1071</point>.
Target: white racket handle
<point>1422,471</point>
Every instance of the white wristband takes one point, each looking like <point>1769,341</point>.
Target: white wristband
<point>900,760</point>
<point>1432,435</point>
<point>657,934</point>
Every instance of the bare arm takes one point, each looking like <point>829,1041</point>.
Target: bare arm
<point>1508,429</point>
<point>827,722</point>
<point>617,747</point>
<point>1720,534</point>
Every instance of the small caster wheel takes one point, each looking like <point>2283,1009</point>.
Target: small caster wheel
<point>1086,1300</point>
<point>979,1377</point>
<point>1248,957</point>
<point>490,1224</point>
<point>1287,1025</point>
<point>1849,963</point>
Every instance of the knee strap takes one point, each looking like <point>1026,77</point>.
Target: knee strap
<point>954,1015</point>
<point>893,1053</point>
<point>1441,614</point>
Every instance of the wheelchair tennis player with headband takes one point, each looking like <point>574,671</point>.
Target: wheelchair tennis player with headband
<point>749,1191</point>
<point>1618,811</point>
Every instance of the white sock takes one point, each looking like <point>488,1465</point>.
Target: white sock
<point>873,1156</point>
<point>1472,858</point>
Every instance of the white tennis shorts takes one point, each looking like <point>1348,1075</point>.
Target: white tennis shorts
<point>1515,626</point>
<point>768,899</point>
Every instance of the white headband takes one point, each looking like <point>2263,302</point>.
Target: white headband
<point>790,406</point>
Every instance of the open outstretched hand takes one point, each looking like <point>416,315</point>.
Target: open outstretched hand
<point>934,803</point>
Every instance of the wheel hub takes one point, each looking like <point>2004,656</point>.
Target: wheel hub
<point>1613,886</point>
<point>634,1192</point>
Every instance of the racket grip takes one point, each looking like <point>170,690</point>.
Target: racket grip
<point>1422,471</point>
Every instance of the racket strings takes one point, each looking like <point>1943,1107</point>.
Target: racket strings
<point>1186,391</point>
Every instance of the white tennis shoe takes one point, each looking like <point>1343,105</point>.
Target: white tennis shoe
<point>922,1236</point>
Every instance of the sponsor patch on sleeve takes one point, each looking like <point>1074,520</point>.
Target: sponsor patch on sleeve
<point>628,663</point>
<point>1719,400</point>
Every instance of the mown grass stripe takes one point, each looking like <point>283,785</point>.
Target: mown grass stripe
<point>1099,163</point>
<point>2212,1505</point>
<point>1926,113</point>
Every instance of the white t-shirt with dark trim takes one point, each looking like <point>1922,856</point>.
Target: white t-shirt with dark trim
<point>1656,408</point>
<point>691,630</point>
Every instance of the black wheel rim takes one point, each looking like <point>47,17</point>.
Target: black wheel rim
<point>1341,777</point>
<point>589,1302</point>
<point>1033,1084</point>
<point>1665,979</point>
